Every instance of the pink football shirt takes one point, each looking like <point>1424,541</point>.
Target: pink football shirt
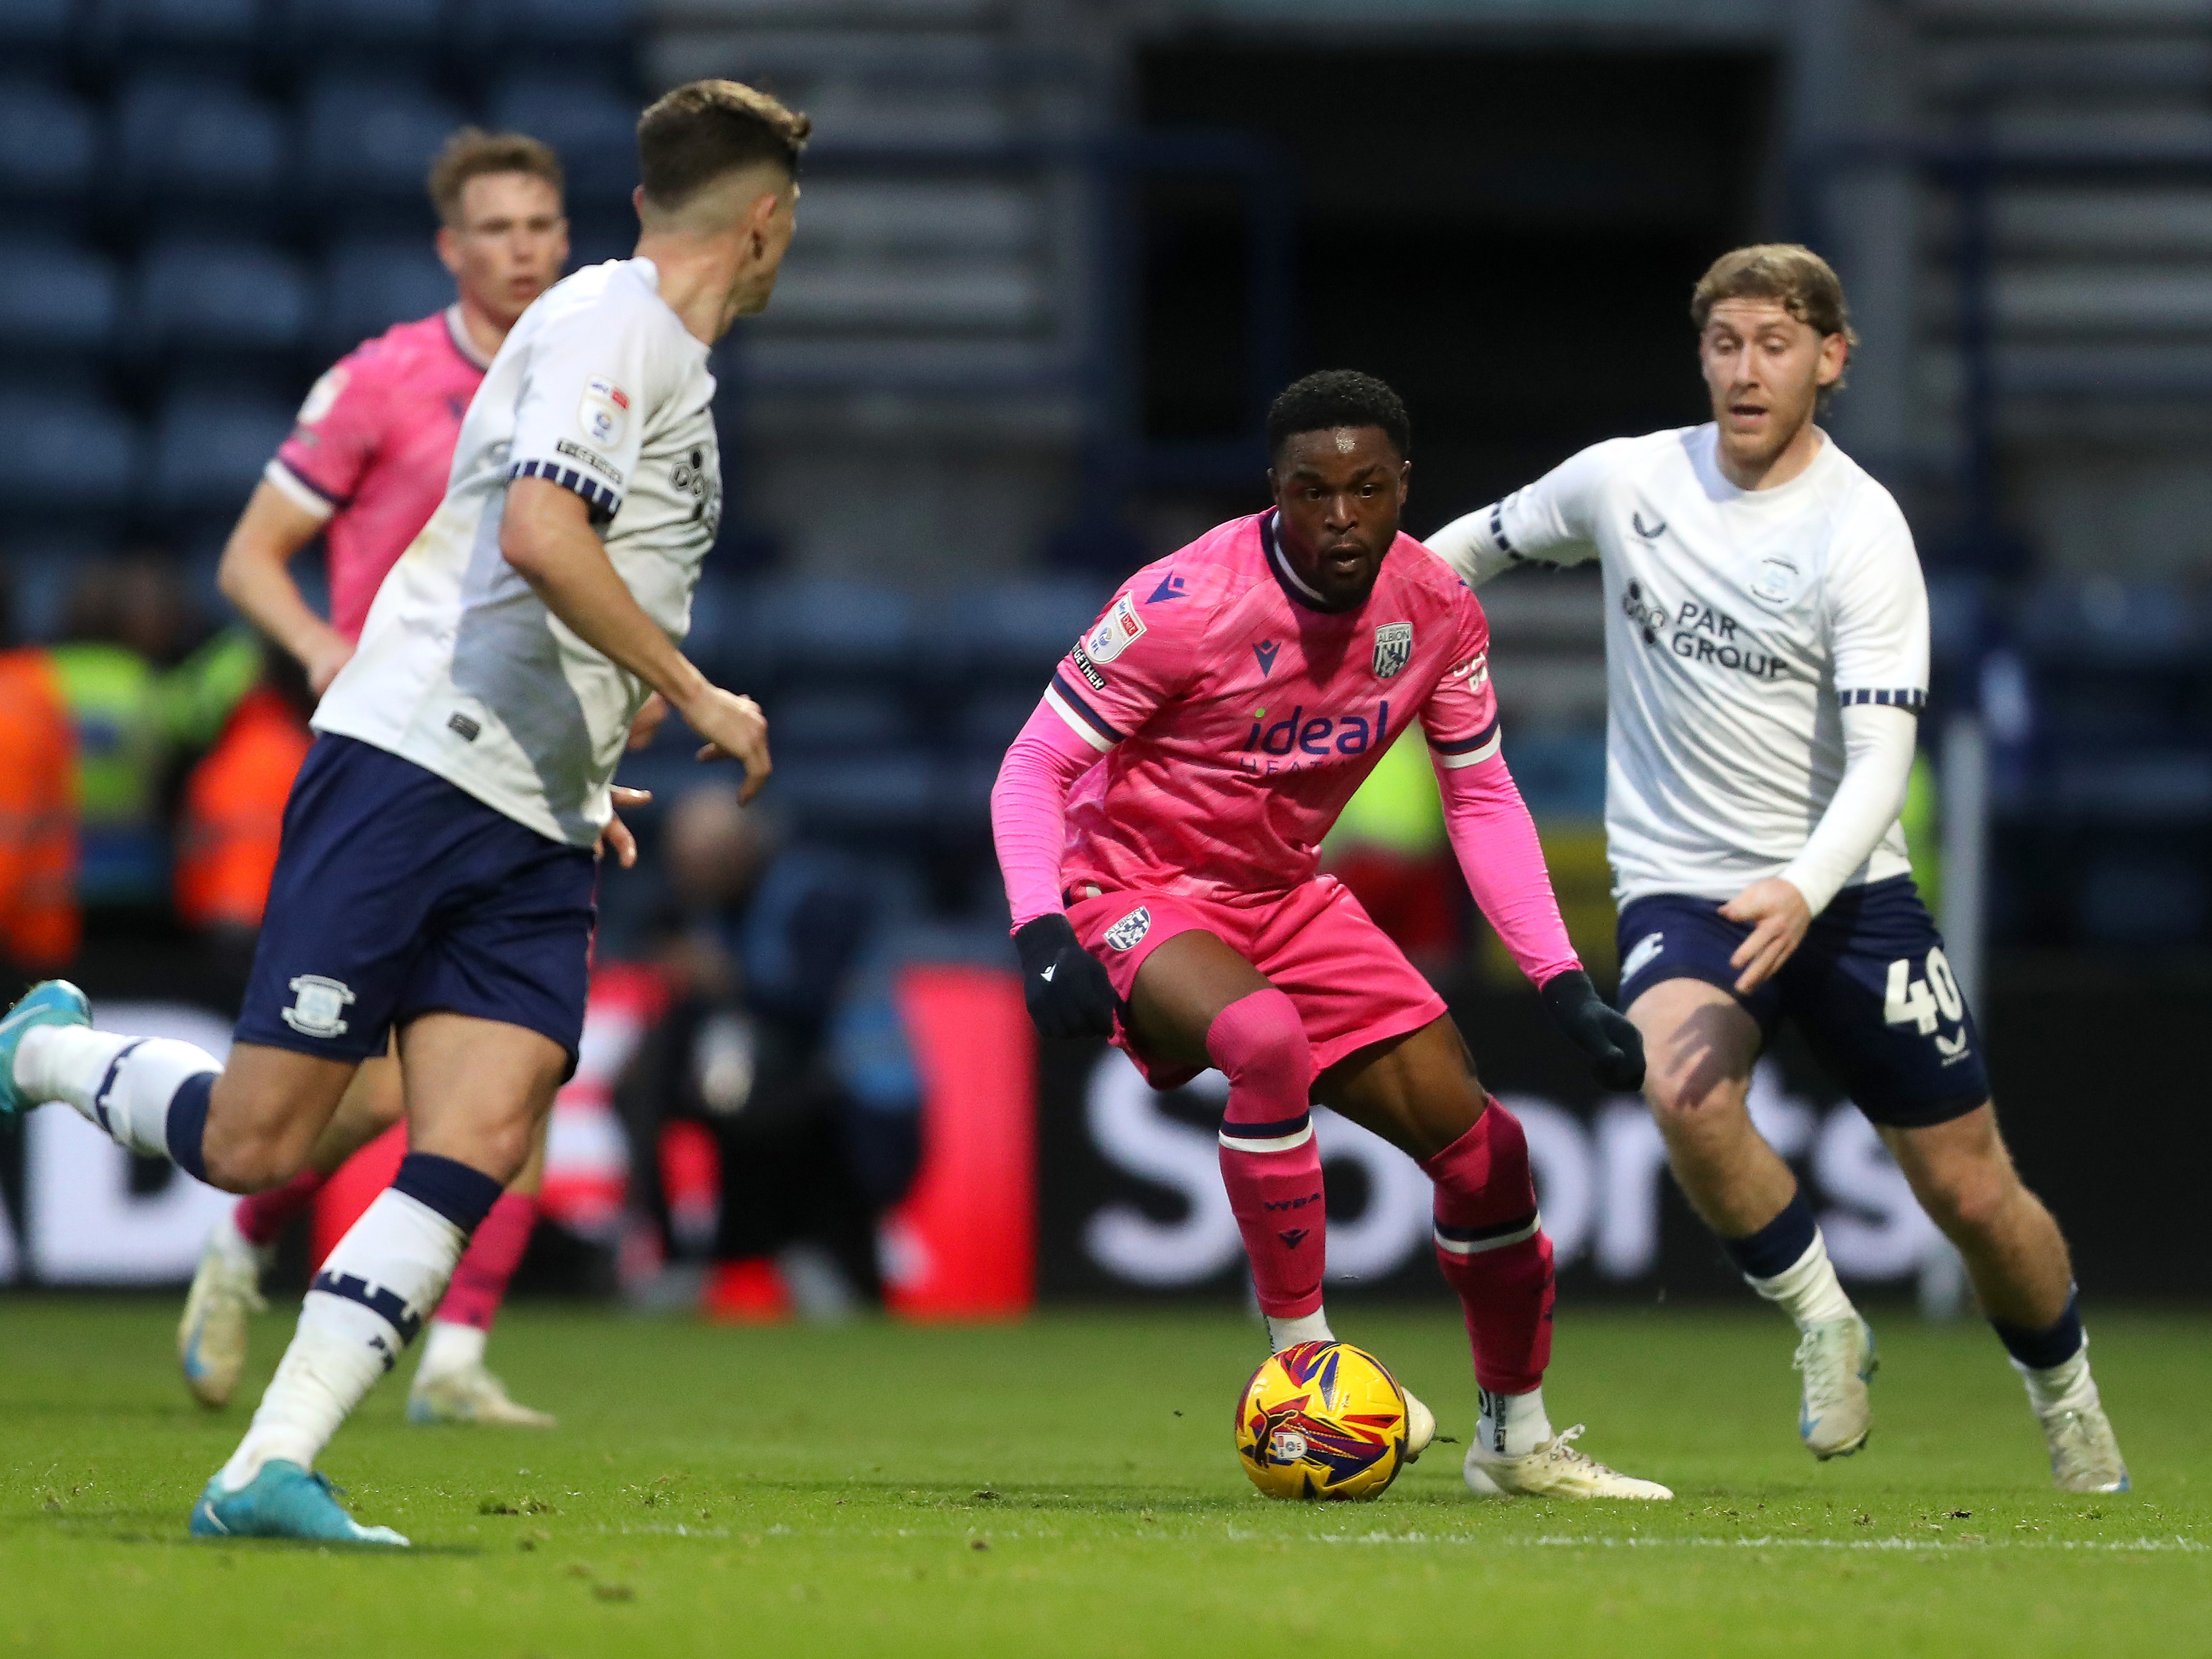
<point>372,447</point>
<point>1236,716</point>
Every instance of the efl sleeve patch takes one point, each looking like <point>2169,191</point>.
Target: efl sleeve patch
<point>1115,632</point>
<point>603,412</point>
<point>322,396</point>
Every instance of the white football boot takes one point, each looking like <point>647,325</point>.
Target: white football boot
<point>1836,1358</point>
<point>469,1394</point>
<point>211,1337</point>
<point>2085,1454</point>
<point>1420,1425</point>
<point>1554,1469</point>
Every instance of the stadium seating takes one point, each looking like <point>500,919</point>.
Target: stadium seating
<point>172,33</point>
<point>559,34</point>
<point>391,33</point>
<point>198,298</point>
<point>366,143</point>
<point>591,124</point>
<point>210,451</point>
<point>198,152</point>
<point>78,460</point>
<point>34,35</point>
<point>370,285</point>
<point>59,305</point>
<point>49,141</point>
<point>827,631</point>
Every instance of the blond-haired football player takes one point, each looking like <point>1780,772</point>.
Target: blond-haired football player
<point>438,865</point>
<point>1766,655</point>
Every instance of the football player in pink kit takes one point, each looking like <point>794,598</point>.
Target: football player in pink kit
<point>365,468</point>
<point>1159,823</point>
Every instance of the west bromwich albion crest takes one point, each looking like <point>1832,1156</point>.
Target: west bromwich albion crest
<point>1394,647</point>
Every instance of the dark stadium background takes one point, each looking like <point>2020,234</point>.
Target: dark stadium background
<point>1054,258</point>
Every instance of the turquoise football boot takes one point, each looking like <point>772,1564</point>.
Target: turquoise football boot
<point>50,1002</point>
<point>284,1501</point>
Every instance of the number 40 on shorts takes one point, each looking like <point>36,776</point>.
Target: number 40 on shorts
<point>1919,1002</point>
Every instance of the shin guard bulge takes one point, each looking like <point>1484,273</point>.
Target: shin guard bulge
<point>377,1286</point>
<point>1269,1162</point>
<point>1493,1249</point>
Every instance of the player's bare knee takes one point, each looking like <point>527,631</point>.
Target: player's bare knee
<point>252,1161</point>
<point>1683,1103</point>
<point>1968,1196</point>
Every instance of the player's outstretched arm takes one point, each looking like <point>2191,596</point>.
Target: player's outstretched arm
<point>547,536</point>
<point>256,576</point>
<point>1468,546</point>
<point>1065,989</point>
<point>1496,842</point>
<point>1552,521</point>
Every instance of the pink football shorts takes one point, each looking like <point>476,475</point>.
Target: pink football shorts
<point>1351,985</point>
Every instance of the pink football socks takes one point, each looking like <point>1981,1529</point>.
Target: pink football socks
<point>1268,1159</point>
<point>1491,1246</point>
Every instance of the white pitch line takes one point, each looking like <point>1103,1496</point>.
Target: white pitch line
<point>2176,1546</point>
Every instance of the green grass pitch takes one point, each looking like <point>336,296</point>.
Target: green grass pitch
<point>1067,1488</point>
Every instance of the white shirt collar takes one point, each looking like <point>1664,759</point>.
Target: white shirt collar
<point>459,332</point>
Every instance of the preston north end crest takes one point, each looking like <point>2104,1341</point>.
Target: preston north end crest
<point>1394,647</point>
<point>318,1005</point>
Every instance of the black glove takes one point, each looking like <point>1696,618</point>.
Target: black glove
<point>1064,986</point>
<point>1614,1047</point>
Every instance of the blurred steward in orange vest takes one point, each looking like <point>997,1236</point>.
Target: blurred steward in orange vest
<point>232,812</point>
<point>39,921</point>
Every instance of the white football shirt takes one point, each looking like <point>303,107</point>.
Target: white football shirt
<point>461,668</point>
<point>1738,623</point>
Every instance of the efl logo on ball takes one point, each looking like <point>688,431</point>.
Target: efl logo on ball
<point>1321,1420</point>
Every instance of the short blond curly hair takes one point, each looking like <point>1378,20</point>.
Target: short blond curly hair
<point>1800,280</point>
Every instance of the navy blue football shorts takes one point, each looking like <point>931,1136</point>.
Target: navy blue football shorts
<point>1870,988</point>
<point>398,894</point>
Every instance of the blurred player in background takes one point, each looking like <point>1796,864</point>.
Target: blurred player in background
<point>365,468</point>
<point>782,1036</point>
<point>438,864</point>
<point>1766,650</point>
<point>1158,822</point>
<point>40,926</point>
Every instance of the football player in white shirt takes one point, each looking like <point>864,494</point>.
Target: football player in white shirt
<point>1766,661</point>
<point>438,864</point>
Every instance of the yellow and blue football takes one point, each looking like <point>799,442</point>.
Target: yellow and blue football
<point>1321,1420</point>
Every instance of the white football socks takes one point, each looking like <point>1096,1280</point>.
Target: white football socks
<point>392,1265</point>
<point>1807,1290</point>
<point>2065,1386</point>
<point>1289,1332</point>
<point>450,1346</point>
<point>240,1251</point>
<point>1512,1424</point>
<point>73,1063</point>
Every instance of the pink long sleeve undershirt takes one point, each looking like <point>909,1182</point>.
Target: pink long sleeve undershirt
<point>1495,839</point>
<point>1029,810</point>
<point>1490,828</point>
